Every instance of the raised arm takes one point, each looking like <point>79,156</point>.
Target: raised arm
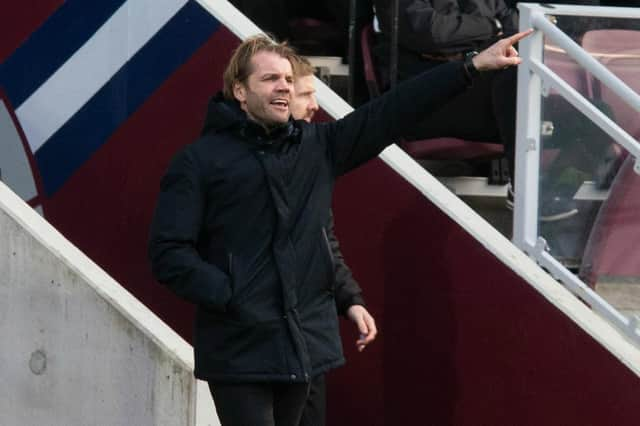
<point>363,134</point>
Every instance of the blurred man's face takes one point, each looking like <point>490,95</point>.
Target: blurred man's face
<point>266,94</point>
<point>303,102</point>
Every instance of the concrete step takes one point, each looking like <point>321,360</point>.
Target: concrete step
<point>623,293</point>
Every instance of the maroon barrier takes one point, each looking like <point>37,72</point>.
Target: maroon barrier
<point>463,339</point>
<point>18,19</point>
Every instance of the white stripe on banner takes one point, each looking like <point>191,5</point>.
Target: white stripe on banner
<point>93,65</point>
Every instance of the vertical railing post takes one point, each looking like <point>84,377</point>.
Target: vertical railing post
<point>525,217</point>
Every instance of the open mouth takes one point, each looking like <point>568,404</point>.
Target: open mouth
<point>282,104</point>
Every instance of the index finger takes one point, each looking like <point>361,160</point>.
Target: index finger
<point>519,36</point>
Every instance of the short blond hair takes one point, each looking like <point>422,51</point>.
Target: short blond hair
<point>239,67</point>
<point>301,66</point>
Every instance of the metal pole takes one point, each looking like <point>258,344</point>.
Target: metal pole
<point>393,59</point>
<point>528,112</point>
<point>538,20</point>
<point>353,37</point>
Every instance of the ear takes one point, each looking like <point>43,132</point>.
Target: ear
<point>239,92</point>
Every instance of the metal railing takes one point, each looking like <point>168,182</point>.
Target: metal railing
<point>535,80</point>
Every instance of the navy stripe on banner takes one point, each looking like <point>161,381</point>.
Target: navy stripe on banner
<point>127,90</point>
<point>51,45</point>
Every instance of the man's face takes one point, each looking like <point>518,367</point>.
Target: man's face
<point>303,102</point>
<point>266,94</point>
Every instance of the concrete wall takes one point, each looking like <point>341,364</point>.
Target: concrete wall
<point>77,349</point>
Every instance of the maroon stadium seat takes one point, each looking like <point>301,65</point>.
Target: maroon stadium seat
<point>611,248</point>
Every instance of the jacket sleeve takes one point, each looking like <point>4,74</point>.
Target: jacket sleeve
<point>366,131</point>
<point>347,292</point>
<point>173,238</point>
<point>509,18</point>
<point>421,28</point>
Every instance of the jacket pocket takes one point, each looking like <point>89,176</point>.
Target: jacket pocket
<point>238,284</point>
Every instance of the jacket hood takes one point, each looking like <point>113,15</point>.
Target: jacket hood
<point>222,114</point>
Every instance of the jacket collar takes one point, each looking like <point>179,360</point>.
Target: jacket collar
<point>226,115</point>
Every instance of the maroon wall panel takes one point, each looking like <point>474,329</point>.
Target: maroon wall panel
<point>18,19</point>
<point>463,340</point>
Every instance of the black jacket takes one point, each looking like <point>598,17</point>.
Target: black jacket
<point>447,26</point>
<point>438,28</point>
<point>240,230</point>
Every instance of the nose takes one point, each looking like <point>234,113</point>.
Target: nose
<point>313,105</point>
<point>283,85</point>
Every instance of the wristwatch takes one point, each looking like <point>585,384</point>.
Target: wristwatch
<point>469,68</point>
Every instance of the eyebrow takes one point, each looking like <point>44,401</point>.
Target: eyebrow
<point>275,74</point>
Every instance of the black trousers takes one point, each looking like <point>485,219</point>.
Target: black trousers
<point>315,408</point>
<point>270,404</point>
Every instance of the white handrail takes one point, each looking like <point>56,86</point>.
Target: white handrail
<point>539,21</point>
<point>593,299</point>
<point>587,11</point>
<point>587,108</point>
<point>534,77</point>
